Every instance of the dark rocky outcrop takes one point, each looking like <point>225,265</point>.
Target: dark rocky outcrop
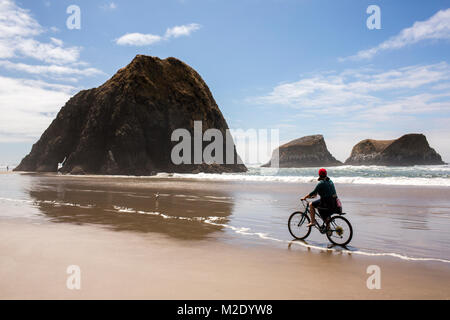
<point>125,125</point>
<point>408,150</point>
<point>309,151</point>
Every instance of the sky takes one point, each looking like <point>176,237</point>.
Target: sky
<point>303,67</point>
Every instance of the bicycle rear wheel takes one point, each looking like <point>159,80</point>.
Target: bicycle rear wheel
<point>297,225</point>
<point>339,231</point>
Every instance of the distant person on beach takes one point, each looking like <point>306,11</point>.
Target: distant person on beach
<point>7,168</point>
<point>327,192</point>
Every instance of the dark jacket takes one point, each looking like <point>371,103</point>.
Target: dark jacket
<point>327,192</point>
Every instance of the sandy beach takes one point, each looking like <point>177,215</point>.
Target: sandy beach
<point>129,266</point>
<point>213,240</point>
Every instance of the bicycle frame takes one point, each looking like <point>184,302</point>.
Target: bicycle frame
<point>320,225</point>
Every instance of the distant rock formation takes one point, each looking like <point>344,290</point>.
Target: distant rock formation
<point>125,125</point>
<point>309,151</point>
<point>408,150</point>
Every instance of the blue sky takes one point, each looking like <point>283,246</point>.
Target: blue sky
<point>304,67</point>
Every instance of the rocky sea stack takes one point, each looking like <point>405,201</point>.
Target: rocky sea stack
<point>125,125</point>
<point>408,150</point>
<point>309,151</point>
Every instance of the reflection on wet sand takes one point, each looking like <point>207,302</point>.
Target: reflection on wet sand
<point>174,212</point>
<point>408,221</point>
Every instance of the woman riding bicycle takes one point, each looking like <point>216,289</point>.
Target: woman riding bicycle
<point>327,192</point>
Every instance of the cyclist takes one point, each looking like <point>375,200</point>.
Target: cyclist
<point>327,192</point>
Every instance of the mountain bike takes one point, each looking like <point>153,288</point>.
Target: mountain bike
<point>337,228</point>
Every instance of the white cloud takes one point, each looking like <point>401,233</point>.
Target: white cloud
<point>5,49</point>
<point>47,52</point>
<point>138,39</point>
<point>367,93</point>
<point>16,22</point>
<point>18,30</point>
<point>141,39</point>
<point>435,28</point>
<point>184,30</point>
<point>49,69</point>
<point>57,42</point>
<point>28,107</point>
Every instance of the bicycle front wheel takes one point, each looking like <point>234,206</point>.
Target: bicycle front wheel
<point>339,231</point>
<point>297,225</point>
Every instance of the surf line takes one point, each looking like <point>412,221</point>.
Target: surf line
<point>264,236</point>
<point>51,202</point>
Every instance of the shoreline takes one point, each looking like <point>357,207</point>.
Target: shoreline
<point>124,265</point>
<point>368,181</point>
<point>203,177</point>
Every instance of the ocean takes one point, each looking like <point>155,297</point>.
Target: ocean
<point>437,175</point>
<point>413,175</point>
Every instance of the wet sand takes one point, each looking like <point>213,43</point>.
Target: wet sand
<point>135,266</point>
<point>408,220</point>
<point>214,240</point>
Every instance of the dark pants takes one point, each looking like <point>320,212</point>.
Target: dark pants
<point>324,207</point>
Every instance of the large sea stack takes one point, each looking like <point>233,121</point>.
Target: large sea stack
<point>125,125</point>
<point>408,150</point>
<point>309,151</point>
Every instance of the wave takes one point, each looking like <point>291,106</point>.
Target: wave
<point>364,180</point>
<point>421,175</point>
<point>400,181</point>
<point>162,215</point>
<point>51,202</point>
